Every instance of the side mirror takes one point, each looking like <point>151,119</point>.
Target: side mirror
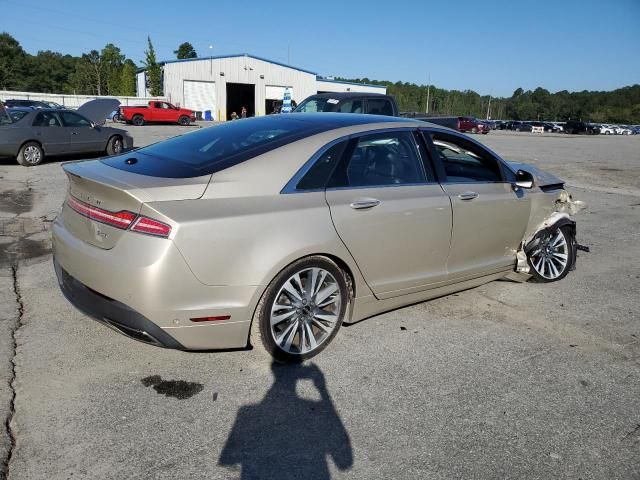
<point>524,179</point>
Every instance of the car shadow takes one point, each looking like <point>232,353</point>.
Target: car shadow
<point>286,436</point>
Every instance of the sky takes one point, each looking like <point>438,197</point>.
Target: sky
<point>492,47</point>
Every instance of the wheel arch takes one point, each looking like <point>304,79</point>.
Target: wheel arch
<point>342,265</point>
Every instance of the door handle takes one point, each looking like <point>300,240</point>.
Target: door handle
<point>468,195</point>
<point>364,203</point>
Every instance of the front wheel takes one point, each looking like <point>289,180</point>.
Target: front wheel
<point>30,154</point>
<point>552,255</point>
<point>114,145</point>
<point>301,311</point>
<point>474,130</point>
<point>184,121</point>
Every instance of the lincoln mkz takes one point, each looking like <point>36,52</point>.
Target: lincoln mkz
<point>271,232</point>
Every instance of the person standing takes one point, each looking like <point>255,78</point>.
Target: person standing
<point>243,112</point>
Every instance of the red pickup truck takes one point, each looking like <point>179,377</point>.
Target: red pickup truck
<point>156,112</point>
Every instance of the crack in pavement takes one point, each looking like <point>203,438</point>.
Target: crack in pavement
<point>4,472</point>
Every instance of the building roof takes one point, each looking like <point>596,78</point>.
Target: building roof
<point>217,57</point>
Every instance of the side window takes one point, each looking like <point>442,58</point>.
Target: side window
<point>46,119</point>
<point>379,106</point>
<point>351,106</point>
<point>378,160</point>
<point>318,175</point>
<point>71,119</point>
<point>465,162</point>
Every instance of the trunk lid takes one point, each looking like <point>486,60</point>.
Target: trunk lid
<point>111,190</point>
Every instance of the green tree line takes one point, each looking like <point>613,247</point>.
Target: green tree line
<point>617,106</point>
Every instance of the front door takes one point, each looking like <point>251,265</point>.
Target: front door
<point>83,136</point>
<point>391,214</point>
<point>489,215</point>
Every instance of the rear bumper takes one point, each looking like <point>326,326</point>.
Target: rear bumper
<point>112,313</point>
<point>143,286</point>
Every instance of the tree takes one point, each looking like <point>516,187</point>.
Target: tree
<point>185,50</point>
<point>112,62</point>
<point>12,63</point>
<point>154,71</point>
<point>128,79</point>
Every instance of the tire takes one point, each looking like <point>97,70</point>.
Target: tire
<point>550,265</point>
<point>115,118</point>
<point>517,129</point>
<point>298,326</point>
<point>184,121</point>
<point>115,145</point>
<point>474,130</point>
<point>30,154</point>
<point>138,120</point>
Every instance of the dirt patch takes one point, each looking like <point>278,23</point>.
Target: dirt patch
<point>23,249</point>
<point>16,201</point>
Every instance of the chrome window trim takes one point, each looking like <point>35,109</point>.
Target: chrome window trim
<point>291,185</point>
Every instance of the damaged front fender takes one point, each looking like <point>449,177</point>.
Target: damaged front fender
<point>560,215</point>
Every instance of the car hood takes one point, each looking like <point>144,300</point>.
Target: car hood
<point>540,177</point>
<point>98,110</point>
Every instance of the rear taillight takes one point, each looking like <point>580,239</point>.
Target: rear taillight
<point>121,220</point>
<point>151,227</point>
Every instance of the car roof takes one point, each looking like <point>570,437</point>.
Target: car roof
<point>341,95</point>
<point>338,120</point>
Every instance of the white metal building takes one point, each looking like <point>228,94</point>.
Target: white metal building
<point>225,84</point>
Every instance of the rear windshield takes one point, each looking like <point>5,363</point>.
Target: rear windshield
<point>212,149</point>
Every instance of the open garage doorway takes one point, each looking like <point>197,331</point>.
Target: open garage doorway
<point>241,95</point>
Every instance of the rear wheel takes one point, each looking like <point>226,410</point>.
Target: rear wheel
<point>184,120</point>
<point>114,145</point>
<point>474,130</point>
<point>552,256</point>
<point>138,120</point>
<point>30,154</point>
<point>301,311</point>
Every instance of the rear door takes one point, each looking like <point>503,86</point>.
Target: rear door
<point>83,136</point>
<point>489,215</point>
<point>48,130</point>
<point>391,213</point>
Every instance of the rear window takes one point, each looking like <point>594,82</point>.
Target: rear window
<point>215,148</point>
<point>314,105</point>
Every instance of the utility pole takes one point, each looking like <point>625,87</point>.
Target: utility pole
<point>289,54</point>
<point>489,108</point>
<point>428,91</point>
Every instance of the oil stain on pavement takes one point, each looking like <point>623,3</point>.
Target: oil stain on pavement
<point>16,202</point>
<point>173,388</point>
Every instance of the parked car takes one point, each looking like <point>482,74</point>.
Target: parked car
<point>607,129</point>
<point>348,102</point>
<point>156,112</point>
<point>34,104</point>
<point>577,127</point>
<point>461,124</point>
<point>34,134</point>
<point>273,231</point>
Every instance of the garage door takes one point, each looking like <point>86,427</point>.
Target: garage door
<point>200,96</point>
<point>274,92</point>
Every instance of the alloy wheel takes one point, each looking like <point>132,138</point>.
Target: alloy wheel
<point>306,310</point>
<point>550,257</point>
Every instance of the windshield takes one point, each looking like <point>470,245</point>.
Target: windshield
<point>314,105</point>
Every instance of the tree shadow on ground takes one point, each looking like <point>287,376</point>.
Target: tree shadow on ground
<point>288,437</point>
